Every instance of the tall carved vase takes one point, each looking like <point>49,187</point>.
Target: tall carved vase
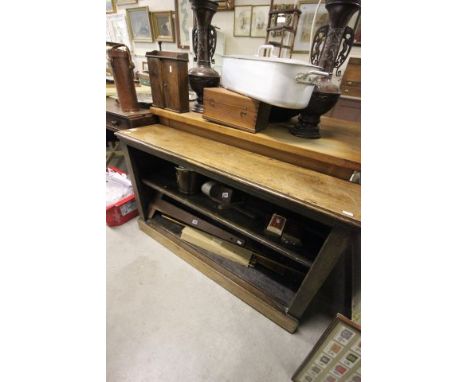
<point>204,45</point>
<point>326,92</point>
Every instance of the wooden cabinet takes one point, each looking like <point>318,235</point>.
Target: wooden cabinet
<point>168,74</point>
<point>348,106</point>
<point>351,82</point>
<point>328,209</point>
<point>116,119</point>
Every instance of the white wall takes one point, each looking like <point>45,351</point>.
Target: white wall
<point>222,20</point>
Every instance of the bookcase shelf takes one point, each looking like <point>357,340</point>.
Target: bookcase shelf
<point>153,152</point>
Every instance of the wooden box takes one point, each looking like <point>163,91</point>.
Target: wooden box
<point>235,110</point>
<point>169,80</point>
<point>351,82</point>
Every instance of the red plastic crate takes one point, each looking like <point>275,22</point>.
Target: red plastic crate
<point>123,210</point>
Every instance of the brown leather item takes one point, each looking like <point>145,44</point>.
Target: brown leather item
<point>122,69</point>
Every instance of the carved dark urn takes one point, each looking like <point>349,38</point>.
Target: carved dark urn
<point>204,45</point>
<point>326,93</point>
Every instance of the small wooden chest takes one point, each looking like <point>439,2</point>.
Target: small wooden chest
<point>351,82</point>
<point>235,110</point>
<point>169,80</point>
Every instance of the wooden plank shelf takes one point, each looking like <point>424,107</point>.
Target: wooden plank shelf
<point>278,44</point>
<point>337,153</point>
<point>229,218</point>
<point>289,29</point>
<point>321,197</point>
<point>287,11</point>
<point>328,205</point>
<point>272,290</point>
<point>238,286</point>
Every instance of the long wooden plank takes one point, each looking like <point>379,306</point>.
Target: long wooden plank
<point>233,284</point>
<point>340,145</point>
<point>327,195</point>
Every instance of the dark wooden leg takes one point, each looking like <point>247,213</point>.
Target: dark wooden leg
<point>356,279</point>
<point>335,244</point>
<point>142,193</point>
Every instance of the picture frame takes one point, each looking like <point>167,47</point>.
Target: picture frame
<point>281,19</point>
<point>144,66</point>
<point>357,31</point>
<point>117,30</point>
<point>110,6</point>
<point>163,26</point>
<point>259,22</point>
<point>336,356</point>
<point>242,21</point>
<point>226,5</point>
<point>302,41</point>
<point>139,23</point>
<point>184,23</point>
<point>126,2</point>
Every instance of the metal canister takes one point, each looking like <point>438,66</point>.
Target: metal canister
<point>122,69</point>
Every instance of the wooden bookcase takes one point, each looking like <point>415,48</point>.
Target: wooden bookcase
<point>328,208</point>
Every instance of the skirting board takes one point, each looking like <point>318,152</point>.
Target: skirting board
<point>233,284</point>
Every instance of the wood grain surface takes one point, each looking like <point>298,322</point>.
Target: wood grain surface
<point>338,149</point>
<point>112,106</point>
<point>327,195</point>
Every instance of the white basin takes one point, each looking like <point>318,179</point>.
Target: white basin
<point>282,82</point>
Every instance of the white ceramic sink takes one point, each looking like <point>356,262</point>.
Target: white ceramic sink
<point>280,82</point>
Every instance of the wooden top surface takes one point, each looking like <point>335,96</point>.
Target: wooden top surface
<point>330,196</point>
<point>339,146</point>
<point>112,106</point>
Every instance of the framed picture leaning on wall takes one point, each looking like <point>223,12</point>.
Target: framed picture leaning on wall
<point>260,15</point>
<point>117,30</point>
<point>126,2</point>
<point>308,8</point>
<point>242,20</point>
<point>225,5</point>
<point>110,6</point>
<point>139,22</point>
<point>163,26</point>
<point>184,23</point>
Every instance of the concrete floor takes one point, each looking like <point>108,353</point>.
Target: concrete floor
<point>167,322</point>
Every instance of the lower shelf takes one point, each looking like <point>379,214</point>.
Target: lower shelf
<point>269,307</point>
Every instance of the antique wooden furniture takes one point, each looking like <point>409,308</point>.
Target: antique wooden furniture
<point>326,92</point>
<point>337,153</point>
<point>351,82</point>
<point>235,110</point>
<point>122,69</point>
<point>168,74</point>
<point>327,206</point>
<point>286,30</point>
<point>348,106</point>
<point>117,119</point>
